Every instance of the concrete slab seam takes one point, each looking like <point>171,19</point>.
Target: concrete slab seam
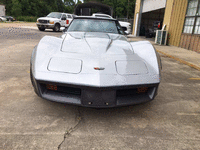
<point>180,60</point>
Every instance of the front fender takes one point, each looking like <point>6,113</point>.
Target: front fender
<point>47,47</point>
<point>147,52</point>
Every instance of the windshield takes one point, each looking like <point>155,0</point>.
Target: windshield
<point>54,15</point>
<point>94,25</point>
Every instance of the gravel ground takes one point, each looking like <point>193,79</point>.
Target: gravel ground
<point>17,24</point>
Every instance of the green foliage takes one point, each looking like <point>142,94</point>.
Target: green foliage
<point>39,8</point>
<point>16,8</point>
<point>36,8</point>
<point>121,8</point>
<point>27,18</point>
<point>70,4</point>
<point>79,2</point>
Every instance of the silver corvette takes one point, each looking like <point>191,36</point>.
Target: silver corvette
<point>92,64</point>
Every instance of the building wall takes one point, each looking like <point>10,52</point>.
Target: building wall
<point>2,10</point>
<point>145,6</point>
<point>190,41</point>
<point>174,19</point>
<point>168,12</point>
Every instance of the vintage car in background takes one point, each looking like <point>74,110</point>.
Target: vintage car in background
<point>9,18</point>
<point>2,19</point>
<point>94,65</point>
<point>54,20</point>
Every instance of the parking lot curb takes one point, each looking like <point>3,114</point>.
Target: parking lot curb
<point>180,60</point>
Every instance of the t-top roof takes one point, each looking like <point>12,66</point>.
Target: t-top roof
<point>103,8</point>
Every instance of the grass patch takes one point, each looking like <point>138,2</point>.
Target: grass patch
<point>26,18</point>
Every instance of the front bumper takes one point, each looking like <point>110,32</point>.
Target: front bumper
<point>46,26</point>
<point>99,97</point>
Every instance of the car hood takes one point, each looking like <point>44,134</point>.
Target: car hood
<point>96,43</point>
<point>48,18</point>
<point>96,59</point>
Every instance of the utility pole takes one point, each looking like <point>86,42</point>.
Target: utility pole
<point>128,10</point>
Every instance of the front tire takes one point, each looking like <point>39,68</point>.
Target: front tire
<point>41,28</point>
<point>56,28</point>
<point>1,20</point>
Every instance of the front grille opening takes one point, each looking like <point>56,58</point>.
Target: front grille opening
<point>43,21</point>
<point>135,91</point>
<point>61,89</point>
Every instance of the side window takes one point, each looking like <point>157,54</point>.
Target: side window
<point>192,18</point>
<point>69,16</point>
<point>64,17</point>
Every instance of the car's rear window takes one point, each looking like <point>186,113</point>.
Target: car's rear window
<point>54,15</point>
<point>93,25</point>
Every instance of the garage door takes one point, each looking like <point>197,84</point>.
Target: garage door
<point>150,5</point>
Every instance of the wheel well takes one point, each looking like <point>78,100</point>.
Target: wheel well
<point>57,24</point>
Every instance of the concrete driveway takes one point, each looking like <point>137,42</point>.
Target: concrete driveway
<point>171,121</point>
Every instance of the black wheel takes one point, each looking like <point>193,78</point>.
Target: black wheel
<point>9,19</point>
<point>56,28</point>
<point>41,28</point>
<point>0,20</point>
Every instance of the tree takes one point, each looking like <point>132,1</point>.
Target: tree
<point>121,8</point>
<point>25,7</point>
<point>16,8</point>
<point>69,4</point>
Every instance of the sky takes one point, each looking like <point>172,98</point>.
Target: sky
<point>75,0</point>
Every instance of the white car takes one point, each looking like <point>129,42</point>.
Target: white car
<point>94,65</point>
<point>54,21</point>
<point>126,26</point>
<point>2,19</point>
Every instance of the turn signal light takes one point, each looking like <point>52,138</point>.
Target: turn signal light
<point>51,22</point>
<point>52,87</point>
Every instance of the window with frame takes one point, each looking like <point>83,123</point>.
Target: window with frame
<point>192,19</point>
<point>64,17</point>
<point>69,16</point>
